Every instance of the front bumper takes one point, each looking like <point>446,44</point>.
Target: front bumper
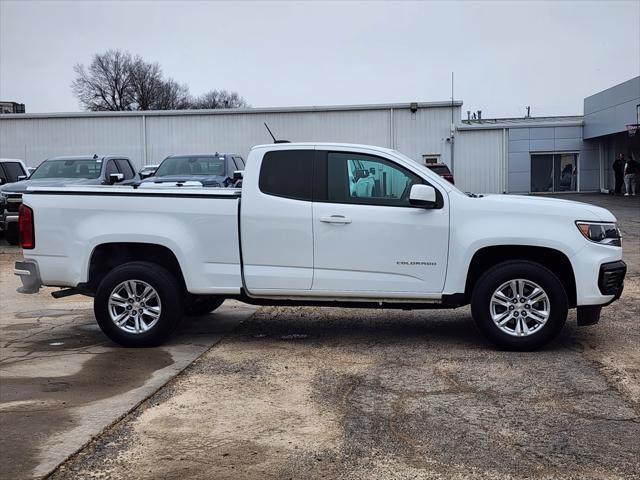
<point>29,275</point>
<point>610,282</point>
<point>611,278</point>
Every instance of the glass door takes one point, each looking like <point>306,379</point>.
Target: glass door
<point>542,173</point>
<point>565,168</point>
<point>554,172</point>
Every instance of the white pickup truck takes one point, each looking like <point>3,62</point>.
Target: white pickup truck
<point>299,233</point>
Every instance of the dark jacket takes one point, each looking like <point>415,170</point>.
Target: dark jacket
<point>630,167</point>
<point>618,166</point>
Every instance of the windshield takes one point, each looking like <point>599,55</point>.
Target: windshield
<point>428,173</point>
<point>86,168</point>
<point>208,165</point>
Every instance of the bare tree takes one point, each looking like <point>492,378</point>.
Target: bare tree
<point>146,84</point>
<point>114,80</point>
<point>219,99</point>
<point>106,83</point>
<point>173,96</point>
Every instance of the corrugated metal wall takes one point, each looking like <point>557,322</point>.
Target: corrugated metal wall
<point>479,161</point>
<point>35,139</point>
<point>149,138</point>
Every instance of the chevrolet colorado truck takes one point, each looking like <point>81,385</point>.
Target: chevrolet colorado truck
<point>299,233</point>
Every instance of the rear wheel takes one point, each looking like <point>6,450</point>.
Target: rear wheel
<point>195,305</point>
<point>519,305</point>
<point>138,304</point>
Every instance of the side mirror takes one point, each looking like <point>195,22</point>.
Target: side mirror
<point>115,178</point>
<point>3,181</point>
<point>238,175</point>
<point>423,196</point>
<point>22,177</point>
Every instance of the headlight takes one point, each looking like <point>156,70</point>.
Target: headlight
<point>604,233</point>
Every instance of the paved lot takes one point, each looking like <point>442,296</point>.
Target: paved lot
<point>62,382</point>
<point>337,393</point>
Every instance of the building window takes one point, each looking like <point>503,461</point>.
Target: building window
<point>554,172</point>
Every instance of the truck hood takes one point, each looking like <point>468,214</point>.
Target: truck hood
<point>205,180</point>
<point>529,204</point>
<point>22,186</point>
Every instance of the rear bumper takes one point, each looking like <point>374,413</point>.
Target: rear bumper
<point>29,275</point>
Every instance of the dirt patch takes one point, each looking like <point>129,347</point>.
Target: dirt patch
<point>377,394</point>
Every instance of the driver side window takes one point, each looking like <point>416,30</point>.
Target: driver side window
<point>369,180</point>
<point>111,168</point>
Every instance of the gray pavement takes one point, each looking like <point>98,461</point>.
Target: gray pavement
<point>62,382</point>
<point>339,393</point>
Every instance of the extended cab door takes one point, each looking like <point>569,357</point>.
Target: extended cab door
<point>370,242</point>
<point>276,221</point>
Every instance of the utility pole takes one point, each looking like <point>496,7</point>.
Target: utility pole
<point>453,128</point>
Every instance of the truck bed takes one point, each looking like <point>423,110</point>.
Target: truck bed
<point>203,226</point>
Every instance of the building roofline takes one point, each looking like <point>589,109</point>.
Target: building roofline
<point>233,111</point>
<point>532,122</point>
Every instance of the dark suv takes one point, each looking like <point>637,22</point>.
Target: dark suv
<point>206,169</point>
<point>59,172</point>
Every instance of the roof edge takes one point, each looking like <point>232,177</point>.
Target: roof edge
<point>233,111</point>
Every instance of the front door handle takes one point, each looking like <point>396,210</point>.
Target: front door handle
<point>340,219</point>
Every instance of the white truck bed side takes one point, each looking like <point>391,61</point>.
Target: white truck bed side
<point>199,226</point>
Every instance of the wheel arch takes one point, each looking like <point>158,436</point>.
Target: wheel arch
<point>107,256</point>
<point>555,260</point>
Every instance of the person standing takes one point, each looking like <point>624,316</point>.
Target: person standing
<point>618,173</point>
<point>630,174</point>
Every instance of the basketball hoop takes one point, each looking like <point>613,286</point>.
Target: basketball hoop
<point>632,129</point>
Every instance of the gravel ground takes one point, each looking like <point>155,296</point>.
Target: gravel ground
<point>338,393</point>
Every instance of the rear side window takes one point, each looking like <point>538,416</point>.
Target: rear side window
<point>125,168</point>
<point>287,173</point>
<point>13,170</point>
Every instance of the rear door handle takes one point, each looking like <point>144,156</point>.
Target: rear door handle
<point>341,219</point>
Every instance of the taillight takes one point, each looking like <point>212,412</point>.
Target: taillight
<point>26,231</point>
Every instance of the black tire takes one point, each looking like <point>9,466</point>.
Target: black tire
<point>11,234</point>
<point>195,305</point>
<point>168,290</point>
<point>532,272</point>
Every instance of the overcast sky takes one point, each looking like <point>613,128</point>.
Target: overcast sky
<point>505,55</point>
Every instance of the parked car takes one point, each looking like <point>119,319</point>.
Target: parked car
<point>11,170</point>
<point>147,171</point>
<point>297,235</point>
<point>208,169</point>
<point>60,171</point>
<point>442,170</point>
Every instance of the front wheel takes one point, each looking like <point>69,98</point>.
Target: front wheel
<point>519,305</point>
<point>138,304</point>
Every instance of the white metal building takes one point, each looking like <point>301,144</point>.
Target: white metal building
<point>419,130</point>
<point>515,155</point>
